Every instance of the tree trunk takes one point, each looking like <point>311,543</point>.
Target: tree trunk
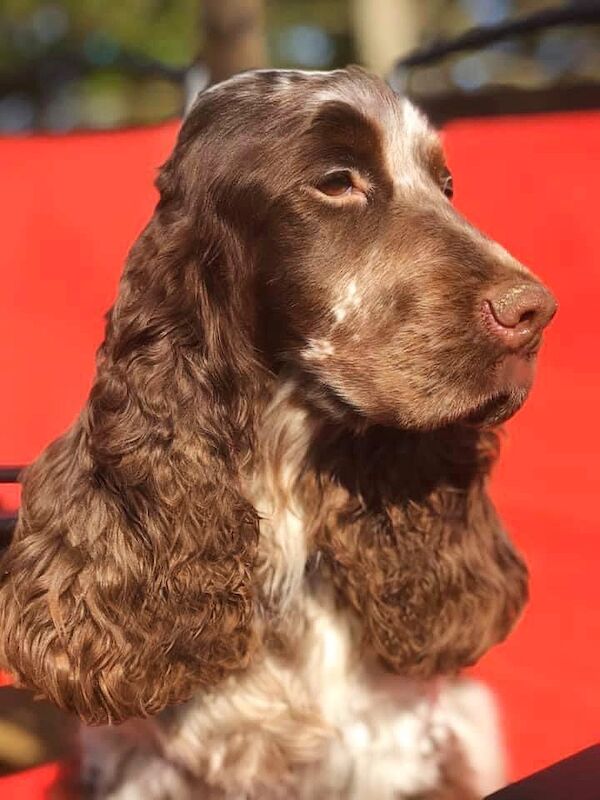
<point>386,30</point>
<point>234,36</point>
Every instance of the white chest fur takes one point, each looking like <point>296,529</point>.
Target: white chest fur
<point>325,726</point>
<point>393,734</point>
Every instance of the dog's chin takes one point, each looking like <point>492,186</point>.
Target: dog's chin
<point>497,409</point>
<point>508,390</point>
<point>486,412</point>
<point>513,378</point>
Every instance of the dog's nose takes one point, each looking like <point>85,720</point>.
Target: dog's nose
<point>520,312</point>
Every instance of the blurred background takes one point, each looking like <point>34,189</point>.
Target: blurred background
<point>109,63</point>
<point>91,94</point>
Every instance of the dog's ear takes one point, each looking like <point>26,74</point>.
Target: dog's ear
<point>419,553</point>
<point>129,579</point>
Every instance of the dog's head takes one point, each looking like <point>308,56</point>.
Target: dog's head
<point>304,225</point>
<point>371,283</point>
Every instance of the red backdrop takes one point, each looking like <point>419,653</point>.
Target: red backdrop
<point>71,207</point>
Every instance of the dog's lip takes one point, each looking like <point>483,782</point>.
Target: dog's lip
<point>529,350</point>
<point>516,371</point>
<point>532,349</point>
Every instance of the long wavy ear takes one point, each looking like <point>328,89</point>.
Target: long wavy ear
<point>414,546</point>
<point>129,580</point>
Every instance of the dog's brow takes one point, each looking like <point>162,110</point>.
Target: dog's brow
<point>343,131</point>
<point>433,156</point>
<point>339,112</point>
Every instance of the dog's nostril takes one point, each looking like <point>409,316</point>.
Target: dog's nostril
<point>521,305</point>
<point>520,311</point>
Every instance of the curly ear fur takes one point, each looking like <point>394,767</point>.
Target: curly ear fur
<point>413,545</point>
<point>128,581</point>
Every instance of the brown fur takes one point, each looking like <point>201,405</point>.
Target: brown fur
<point>131,578</point>
<point>135,541</point>
<point>413,544</point>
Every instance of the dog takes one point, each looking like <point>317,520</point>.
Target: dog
<point>265,546</point>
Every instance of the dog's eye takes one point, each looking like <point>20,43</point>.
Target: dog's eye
<point>337,184</point>
<point>448,185</point>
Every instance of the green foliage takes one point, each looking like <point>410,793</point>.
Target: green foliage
<point>168,30</point>
<point>163,29</point>
<point>68,63</point>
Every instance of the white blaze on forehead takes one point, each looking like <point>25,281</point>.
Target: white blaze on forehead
<point>284,79</point>
<point>414,123</point>
<point>406,130</point>
<point>281,80</point>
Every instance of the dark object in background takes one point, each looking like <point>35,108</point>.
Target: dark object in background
<point>32,732</point>
<point>574,778</point>
<point>8,519</point>
<point>234,34</point>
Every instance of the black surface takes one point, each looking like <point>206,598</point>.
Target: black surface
<point>584,12</point>
<point>10,474</point>
<point>574,778</point>
<point>501,101</point>
<point>8,522</point>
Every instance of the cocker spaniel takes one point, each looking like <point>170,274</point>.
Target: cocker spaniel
<point>265,546</point>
